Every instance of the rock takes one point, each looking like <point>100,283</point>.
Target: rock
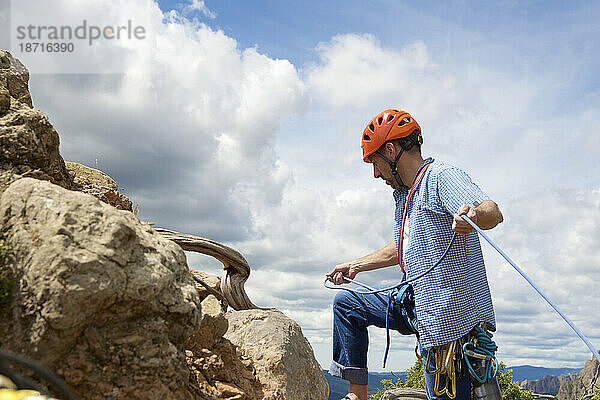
<point>28,142</point>
<point>584,385</point>
<point>98,296</point>
<point>14,77</point>
<point>98,184</point>
<point>405,394</point>
<point>4,101</point>
<point>213,325</point>
<point>59,174</point>
<point>212,284</point>
<point>546,385</point>
<point>283,359</point>
<point>219,371</point>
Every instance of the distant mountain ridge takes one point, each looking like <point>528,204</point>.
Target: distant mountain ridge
<point>522,372</point>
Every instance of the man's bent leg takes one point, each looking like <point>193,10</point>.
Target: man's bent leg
<point>352,314</point>
<point>350,338</point>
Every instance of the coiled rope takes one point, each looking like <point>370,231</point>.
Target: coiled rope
<point>405,282</point>
<point>483,347</point>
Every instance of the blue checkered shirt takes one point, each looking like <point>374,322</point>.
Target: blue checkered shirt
<point>455,296</point>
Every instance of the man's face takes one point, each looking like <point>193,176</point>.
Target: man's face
<point>381,169</point>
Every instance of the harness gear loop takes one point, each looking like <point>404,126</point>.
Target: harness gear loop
<point>446,369</point>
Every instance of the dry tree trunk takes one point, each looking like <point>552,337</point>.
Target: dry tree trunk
<point>235,267</point>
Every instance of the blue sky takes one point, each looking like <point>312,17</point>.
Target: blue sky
<point>524,37</point>
<point>241,121</point>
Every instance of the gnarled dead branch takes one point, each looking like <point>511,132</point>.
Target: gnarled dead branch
<point>235,267</point>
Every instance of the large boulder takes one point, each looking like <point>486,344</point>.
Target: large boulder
<point>282,358</point>
<point>97,295</point>
<point>29,144</point>
<point>217,370</point>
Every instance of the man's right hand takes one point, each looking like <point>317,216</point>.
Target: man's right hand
<point>341,271</point>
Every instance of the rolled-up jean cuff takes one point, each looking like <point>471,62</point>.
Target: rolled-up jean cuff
<point>356,375</point>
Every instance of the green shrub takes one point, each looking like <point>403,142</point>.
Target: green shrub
<point>596,395</point>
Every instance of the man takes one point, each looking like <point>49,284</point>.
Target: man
<point>451,299</point>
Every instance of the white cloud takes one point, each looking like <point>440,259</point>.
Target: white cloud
<point>198,5</point>
<point>190,128</point>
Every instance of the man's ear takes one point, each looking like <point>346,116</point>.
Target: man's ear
<point>389,150</point>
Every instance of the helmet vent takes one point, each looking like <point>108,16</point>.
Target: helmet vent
<point>366,138</point>
<point>404,121</point>
<point>372,128</point>
<point>379,121</point>
<point>390,118</point>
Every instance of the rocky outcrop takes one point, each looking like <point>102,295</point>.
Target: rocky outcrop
<point>14,77</point>
<point>584,385</point>
<point>404,394</point>
<point>98,184</point>
<point>29,144</point>
<point>208,284</point>
<point>217,371</point>
<point>107,302</point>
<point>98,296</point>
<point>546,385</point>
<point>283,359</point>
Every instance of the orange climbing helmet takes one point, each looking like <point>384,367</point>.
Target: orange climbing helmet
<point>388,125</point>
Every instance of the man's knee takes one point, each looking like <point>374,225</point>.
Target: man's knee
<point>344,300</point>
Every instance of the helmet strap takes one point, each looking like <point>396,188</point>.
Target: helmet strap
<point>394,165</point>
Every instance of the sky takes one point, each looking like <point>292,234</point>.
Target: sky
<point>241,122</point>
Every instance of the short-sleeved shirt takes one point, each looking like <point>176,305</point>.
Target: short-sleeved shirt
<point>455,296</point>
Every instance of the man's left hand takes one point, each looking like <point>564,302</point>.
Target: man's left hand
<point>461,226</point>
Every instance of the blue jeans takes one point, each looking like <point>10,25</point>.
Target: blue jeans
<point>352,314</point>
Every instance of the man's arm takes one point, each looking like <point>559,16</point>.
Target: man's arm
<point>385,257</point>
<point>486,216</point>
